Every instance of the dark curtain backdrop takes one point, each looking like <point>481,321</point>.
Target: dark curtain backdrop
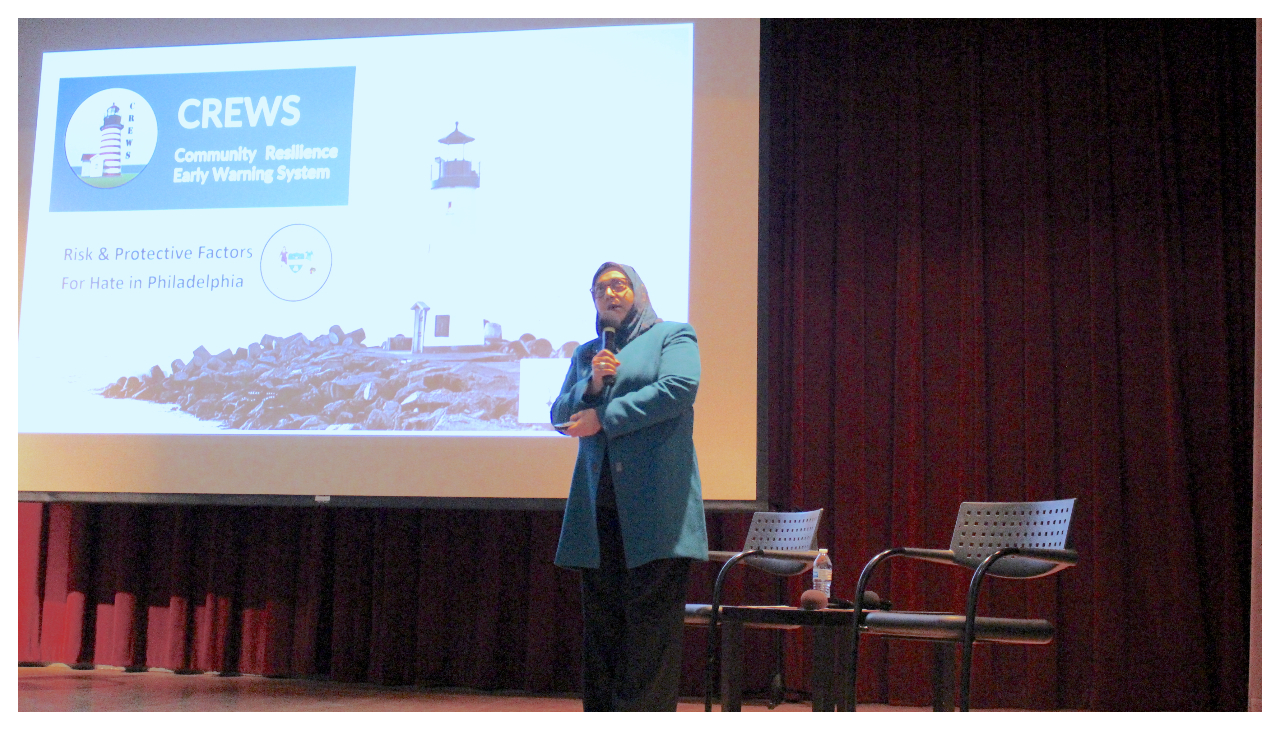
<point>1006,261</point>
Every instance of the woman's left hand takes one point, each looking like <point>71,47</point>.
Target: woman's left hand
<point>583,423</point>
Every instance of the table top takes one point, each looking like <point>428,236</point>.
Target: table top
<point>789,615</point>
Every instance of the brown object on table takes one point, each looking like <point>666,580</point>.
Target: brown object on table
<point>813,600</point>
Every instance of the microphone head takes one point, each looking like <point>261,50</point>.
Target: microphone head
<point>813,600</point>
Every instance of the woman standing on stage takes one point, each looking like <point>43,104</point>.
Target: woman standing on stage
<point>634,518</point>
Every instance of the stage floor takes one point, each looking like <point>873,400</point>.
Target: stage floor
<point>58,688</point>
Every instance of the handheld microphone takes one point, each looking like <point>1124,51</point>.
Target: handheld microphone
<point>609,338</point>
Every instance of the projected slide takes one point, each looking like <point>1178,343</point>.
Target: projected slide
<point>384,235</point>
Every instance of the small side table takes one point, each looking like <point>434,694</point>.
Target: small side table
<point>832,680</point>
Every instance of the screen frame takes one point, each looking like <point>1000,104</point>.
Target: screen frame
<point>39,36</point>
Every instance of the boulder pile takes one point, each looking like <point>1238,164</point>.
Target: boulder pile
<point>334,382</point>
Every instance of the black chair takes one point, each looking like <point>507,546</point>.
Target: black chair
<point>1005,539</point>
<point>779,543</point>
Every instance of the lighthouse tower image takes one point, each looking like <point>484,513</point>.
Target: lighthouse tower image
<point>456,173</point>
<point>110,148</point>
<point>456,219</point>
<point>455,177</point>
<point>456,249</point>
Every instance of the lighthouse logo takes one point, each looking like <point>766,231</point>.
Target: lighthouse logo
<point>111,137</point>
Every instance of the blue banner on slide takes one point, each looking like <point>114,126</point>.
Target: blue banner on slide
<point>243,139</point>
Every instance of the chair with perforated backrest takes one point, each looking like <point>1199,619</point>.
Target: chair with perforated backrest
<point>1020,540</point>
<point>778,543</point>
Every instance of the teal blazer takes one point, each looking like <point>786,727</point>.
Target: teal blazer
<point>647,419</point>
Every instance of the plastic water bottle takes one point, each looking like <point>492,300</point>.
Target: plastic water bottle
<point>822,572</point>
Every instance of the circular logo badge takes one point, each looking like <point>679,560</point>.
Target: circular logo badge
<point>296,262</point>
<point>111,137</point>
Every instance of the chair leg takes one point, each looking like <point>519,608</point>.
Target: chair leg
<point>863,579</point>
<point>709,673</point>
<point>944,677</point>
<point>966,674</point>
<point>713,636</point>
<point>732,666</point>
<point>709,678</point>
<point>778,686</point>
<point>854,636</point>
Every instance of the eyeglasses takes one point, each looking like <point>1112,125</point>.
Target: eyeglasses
<point>614,286</point>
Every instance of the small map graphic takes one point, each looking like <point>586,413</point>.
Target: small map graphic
<point>296,262</point>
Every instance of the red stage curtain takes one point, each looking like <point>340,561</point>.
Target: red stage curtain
<point>30,516</point>
<point>1007,261</point>
<point>1014,261</point>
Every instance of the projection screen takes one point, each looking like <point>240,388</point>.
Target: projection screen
<point>349,263</point>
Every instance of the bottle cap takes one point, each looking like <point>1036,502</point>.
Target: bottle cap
<point>822,550</point>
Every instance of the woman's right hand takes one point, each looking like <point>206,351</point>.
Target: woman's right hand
<point>583,423</point>
<point>604,363</point>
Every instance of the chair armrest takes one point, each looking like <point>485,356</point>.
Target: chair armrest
<point>945,557</point>
<point>724,556</point>
<point>806,555</point>
<point>1056,556</point>
<point>1049,555</point>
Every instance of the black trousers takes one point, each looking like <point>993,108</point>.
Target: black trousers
<point>633,623</point>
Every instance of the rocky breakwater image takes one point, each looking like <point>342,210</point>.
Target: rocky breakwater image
<point>334,382</point>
